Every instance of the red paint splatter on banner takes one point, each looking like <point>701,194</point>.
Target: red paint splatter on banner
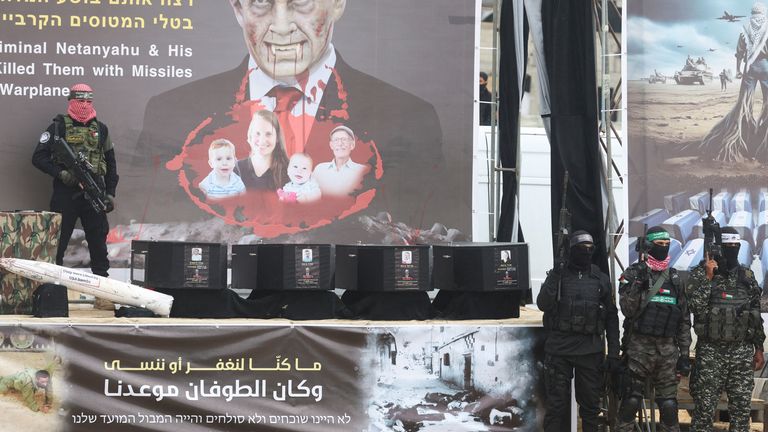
<point>379,163</point>
<point>240,95</point>
<point>342,113</point>
<point>117,235</point>
<point>176,163</point>
<point>362,202</point>
<point>261,210</point>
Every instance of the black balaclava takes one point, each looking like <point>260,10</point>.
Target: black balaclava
<point>731,246</point>
<point>582,248</point>
<point>659,253</point>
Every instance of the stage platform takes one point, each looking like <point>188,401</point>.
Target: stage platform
<point>528,318</point>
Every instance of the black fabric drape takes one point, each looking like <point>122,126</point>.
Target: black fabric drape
<point>261,304</point>
<point>509,119</point>
<point>569,47</point>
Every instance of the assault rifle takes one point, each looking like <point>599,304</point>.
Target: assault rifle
<point>619,381</point>
<point>92,190</point>
<point>641,246</point>
<point>563,234</point>
<point>713,237</point>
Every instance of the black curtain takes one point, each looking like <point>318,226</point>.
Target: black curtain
<point>569,47</point>
<point>509,118</point>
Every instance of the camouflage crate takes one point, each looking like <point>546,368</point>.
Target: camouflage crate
<point>28,235</point>
<point>16,294</point>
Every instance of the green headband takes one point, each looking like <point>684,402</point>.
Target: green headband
<point>659,235</point>
<point>80,94</point>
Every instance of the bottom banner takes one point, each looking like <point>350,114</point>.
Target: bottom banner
<point>58,377</point>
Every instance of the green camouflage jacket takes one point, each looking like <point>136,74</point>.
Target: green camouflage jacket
<point>633,288</point>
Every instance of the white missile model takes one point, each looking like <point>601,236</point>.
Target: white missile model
<point>99,286</point>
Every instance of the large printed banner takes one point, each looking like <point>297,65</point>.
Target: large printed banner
<point>697,76</point>
<point>321,120</point>
<point>270,378</point>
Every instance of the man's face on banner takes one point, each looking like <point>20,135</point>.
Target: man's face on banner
<point>287,37</point>
<point>42,381</point>
<point>342,144</point>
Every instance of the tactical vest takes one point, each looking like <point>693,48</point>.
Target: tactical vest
<point>730,319</point>
<point>661,317</point>
<point>579,309</point>
<point>86,140</point>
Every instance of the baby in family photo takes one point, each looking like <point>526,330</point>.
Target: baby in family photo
<point>222,182</point>
<point>301,188</point>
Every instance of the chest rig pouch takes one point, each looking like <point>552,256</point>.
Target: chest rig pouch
<point>661,317</point>
<point>731,319</point>
<point>579,309</point>
<point>86,140</point>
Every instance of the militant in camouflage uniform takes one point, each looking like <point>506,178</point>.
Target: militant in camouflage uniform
<point>727,321</point>
<point>657,332</point>
<point>32,385</point>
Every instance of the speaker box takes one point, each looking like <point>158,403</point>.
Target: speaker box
<point>382,267</point>
<point>179,265</point>
<point>50,300</point>
<point>280,267</point>
<point>480,267</point>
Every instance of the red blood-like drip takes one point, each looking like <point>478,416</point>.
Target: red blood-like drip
<point>261,210</point>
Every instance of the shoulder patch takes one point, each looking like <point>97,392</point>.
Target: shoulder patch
<point>45,137</point>
<point>748,273</point>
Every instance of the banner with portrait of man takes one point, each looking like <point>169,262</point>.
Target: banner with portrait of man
<point>323,120</point>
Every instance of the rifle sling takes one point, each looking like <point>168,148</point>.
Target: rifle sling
<point>628,329</point>
<point>652,292</point>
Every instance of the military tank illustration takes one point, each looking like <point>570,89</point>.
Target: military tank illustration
<point>694,72</point>
<point>656,77</point>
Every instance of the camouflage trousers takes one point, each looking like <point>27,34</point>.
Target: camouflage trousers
<point>722,366</point>
<point>653,360</point>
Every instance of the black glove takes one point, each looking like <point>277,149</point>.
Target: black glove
<point>683,366</point>
<point>619,377</point>
<point>644,276</point>
<point>560,264</point>
<point>612,364</point>
<point>67,178</point>
<point>109,201</point>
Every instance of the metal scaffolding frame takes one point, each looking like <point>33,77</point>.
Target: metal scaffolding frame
<point>611,100</point>
<point>610,97</point>
<point>494,164</point>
